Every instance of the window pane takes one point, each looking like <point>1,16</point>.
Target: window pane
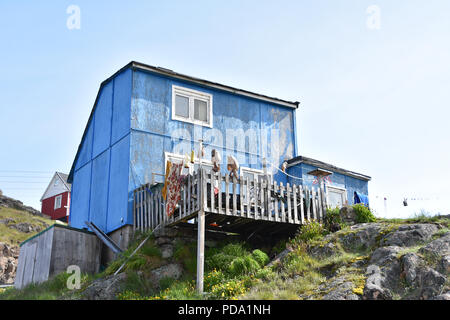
<point>200,110</point>
<point>182,106</point>
<point>335,198</point>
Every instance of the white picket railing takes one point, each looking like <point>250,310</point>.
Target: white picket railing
<point>245,198</point>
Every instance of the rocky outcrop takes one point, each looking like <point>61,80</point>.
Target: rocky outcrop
<point>108,287</point>
<point>403,261</point>
<point>105,289</point>
<point>165,239</point>
<point>410,235</point>
<point>9,256</point>
<point>8,202</point>
<point>395,272</point>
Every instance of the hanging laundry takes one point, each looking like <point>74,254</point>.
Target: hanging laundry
<point>233,166</point>
<point>360,198</point>
<point>172,186</point>
<point>216,159</point>
<point>284,166</point>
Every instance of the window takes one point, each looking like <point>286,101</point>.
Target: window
<point>178,158</point>
<point>251,174</point>
<point>337,197</point>
<point>191,106</point>
<point>56,182</point>
<point>58,200</point>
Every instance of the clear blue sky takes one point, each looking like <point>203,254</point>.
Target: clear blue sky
<point>375,101</point>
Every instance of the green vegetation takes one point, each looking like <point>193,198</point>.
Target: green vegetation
<point>13,236</point>
<point>422,217</point>
<point>363,214</point>
<point>229,272</point>
<point>310,230</point>
<point>302,276</point>
<point>53,289</point>
<point>318,263</point>
<point>333,220</point>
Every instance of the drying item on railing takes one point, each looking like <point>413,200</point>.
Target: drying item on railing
<point>172,186</point>
<point>361,198</point>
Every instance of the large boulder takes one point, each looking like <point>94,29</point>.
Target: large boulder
<point>382,274</point>
<point>9,256</point>
<point>341,289</point>
<point>363,235</point>
<point>410,235</point>
<point>348,215</point>
<point>172,270</point>
<point>438,248</point>
<point>105,288</point>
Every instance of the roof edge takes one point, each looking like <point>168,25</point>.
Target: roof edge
<point>216,85</point>
<point>173,74</point>
<point>317,163</point>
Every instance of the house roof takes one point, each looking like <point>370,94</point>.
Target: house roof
<point>323,165</point>
<point>172,74</point>
<point>207,83</point>
<point>62,177</point>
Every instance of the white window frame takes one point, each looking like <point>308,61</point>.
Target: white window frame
<point>256,172</point>
<point>191,95</point>
<point>340,190</point>
<point>174,157</point>
<point>58,202</point>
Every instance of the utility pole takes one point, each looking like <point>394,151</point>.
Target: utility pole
<point>200,228</point>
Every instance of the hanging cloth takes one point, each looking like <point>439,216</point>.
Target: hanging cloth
<point>172,186</point>
<point>361,198</point>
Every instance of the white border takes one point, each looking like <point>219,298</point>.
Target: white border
<point>343,192</point>
<point>60,202</point>
<point>193,94</point>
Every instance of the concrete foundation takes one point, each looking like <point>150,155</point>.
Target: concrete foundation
<point>122,237</point>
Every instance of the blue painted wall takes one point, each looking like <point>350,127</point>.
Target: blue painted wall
<point>100,178</point>
<point>351,184</point>
<point>153,131</point>
<point>131,127</point>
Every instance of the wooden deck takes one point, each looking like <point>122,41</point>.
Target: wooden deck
<point>238,204</point>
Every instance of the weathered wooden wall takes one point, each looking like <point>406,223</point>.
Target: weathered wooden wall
<point>53,250</point>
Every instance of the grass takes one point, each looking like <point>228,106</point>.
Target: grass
<point>53,289</point>
<point>301,275</point>
<point>235,271</point>
<point>229,272</point>
<point>421,217</point>
<point>14,237</point>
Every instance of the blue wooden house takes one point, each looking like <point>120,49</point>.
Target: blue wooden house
<point>144,116</point>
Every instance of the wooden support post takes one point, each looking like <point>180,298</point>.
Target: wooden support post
<point>200,250</point>
<point>201,239</point>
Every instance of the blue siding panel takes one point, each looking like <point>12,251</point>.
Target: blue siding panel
<point>118,185</point>
<point>79,202</point>
<point>99,190</point>
<point>121,107</point>
<point>151,115</point>
<point>103,113</point>
<point>85,154</point>
<point>351,184</point>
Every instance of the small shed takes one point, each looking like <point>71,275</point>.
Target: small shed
<point>51,251</point>
<point>341,184</point>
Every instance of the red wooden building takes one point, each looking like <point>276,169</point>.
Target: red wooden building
<point>55,201</point>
